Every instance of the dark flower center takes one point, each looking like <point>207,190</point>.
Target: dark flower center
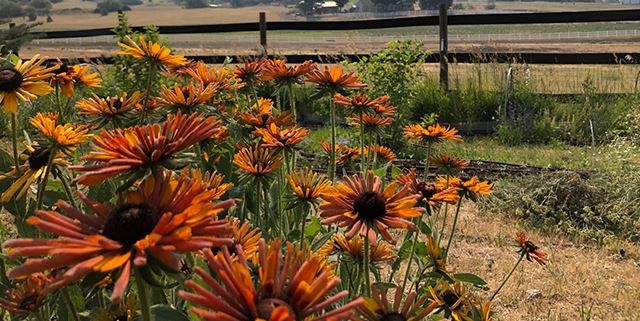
<point>62,68</point>
<point>265,118</point>
<point>39,158</point>
<point>426,190</point>
<point>530,247</point>
<point>116,103</point>
<point>10,79</point>
<point>370,205</point>
<point>232,250</point>
<point>29,303</point>
<point>123,317</point>
<point>450,298</point>
<point>130,223</point>
<point>393,317</point>
<point>267,306</point>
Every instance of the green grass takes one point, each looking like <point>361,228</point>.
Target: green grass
<point>556,155</point>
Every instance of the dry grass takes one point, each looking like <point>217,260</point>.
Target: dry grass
<point>578,274</point>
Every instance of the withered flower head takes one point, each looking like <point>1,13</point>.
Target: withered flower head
<point>27,295</point>
<point>530,250</point>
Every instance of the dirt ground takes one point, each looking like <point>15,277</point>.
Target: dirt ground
<point>578,275</point>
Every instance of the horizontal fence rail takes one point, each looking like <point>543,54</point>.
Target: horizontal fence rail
<point>465,19</point>
<point>460,57</point>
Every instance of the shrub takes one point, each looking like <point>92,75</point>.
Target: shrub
<point>10,9</point>
<point>190,4</point>
<point>106,6</point>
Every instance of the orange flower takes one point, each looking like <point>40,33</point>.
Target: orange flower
<point>161,217</point>
<point>243,236</point>
<point>283,75</point>
<point>289,287</point>
<point>345,154</point>
<point>307,186</point>
<point>151,52</point>
<point>432,194</point>
<point>530,250</point>
<point>33,170</point>
<point>260,115</point>
<point>257,162</point>
<point>368,207</point>
<point>220,78</point>
<point>382,152</point>
<point>354,247</point>
<point>24,81</point>
<point>86,78</point>
<point>126,151</point>
<point>62,137</point>
<point>26,296</point>
<point>186,98</point>
<point>411,308</point>
<point>359,102</point>
<point>333,80</point>
<point>372,122</point>
<point>431,134</point>
<point>110,109</point>
<point>471,188</point>
<point>251,72</point>
<point>448,163</point>
<point>274,137</point>
<point>386,110</point>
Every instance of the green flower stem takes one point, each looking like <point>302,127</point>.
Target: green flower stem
<point>446,214</point>
<point>256,219</point>
<point>453,228</point>
<point>67,188</point>
<point>508,276</point>
<point>332,158</point>
<point>45,180</point>
<point>14,136</point>
<point>411,255</point>
<point>426,162</point>
<point>142,297</point>
<point>303,223</point>
<point>367,282</point>
<point>292,102</point>
<point>362,155</point>
<point>150,77</point>
<point>280,209</point>
<point>72,308</point>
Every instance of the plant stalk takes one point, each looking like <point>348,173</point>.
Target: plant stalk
<point>143,298</point>
<point>508,276</point>
<point>453,228</point>
<point>14,129</point>
<point>45,180</point>
<point>362,154</point>
<point>332,158</point>
<point>411,255</point>
<point>367,282</point>
<point>72,308</point>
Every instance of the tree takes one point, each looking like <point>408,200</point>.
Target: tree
<point>15,37</point>
<point>190,4</point>
<point>434,4</point>
<point>341,3</point>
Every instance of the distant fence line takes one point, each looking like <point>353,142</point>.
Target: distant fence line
<point>474,19</point>
<point>459,57</point>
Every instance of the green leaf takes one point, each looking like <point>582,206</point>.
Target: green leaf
<point>395,171</point>
<point>311,230</point>
<point>424,228</point>
<point>380,171</point>
<point>102,192</point>
<point>469,278</point>
<point>162,312</point>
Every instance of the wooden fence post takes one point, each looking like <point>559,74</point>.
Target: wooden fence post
<point>444,39</point>
<point>263,32</point>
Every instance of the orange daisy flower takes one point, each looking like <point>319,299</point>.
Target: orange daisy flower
<point>126,151</point>
<point>61,137</point>
<point>372,122</point>
<point>33,170</point>
<point>163,216</point>
<point>243,236</point>
<point>307,187</point>
<point>431,134</point>
<point>64,77</point>
<point>24,81</point>
<point>378,253</point>
<point>385,110</point>
<point>26,296</point>
<point>85,77</point>
<point>220,78</point>
<point>367,207</point>
<point>274,137</point>
<point>151,52</point>
<point>214,182</point>
<point>359,102</point>
<point>471,188</point>
<point>382,152</point>
<point>186,98</point>
<point>257,162</point>
<point>452,299</point>
<point>411,308</point>
<point>261,115</point>
<point>251,72</point>
<point>448,163</point>
<point>435,254</point>
<point>102,111</point>
<point>289,287</point>
<point>333,80</point>
<point>432,194</point>
<point>530,250</point>
<point>283,75</point>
